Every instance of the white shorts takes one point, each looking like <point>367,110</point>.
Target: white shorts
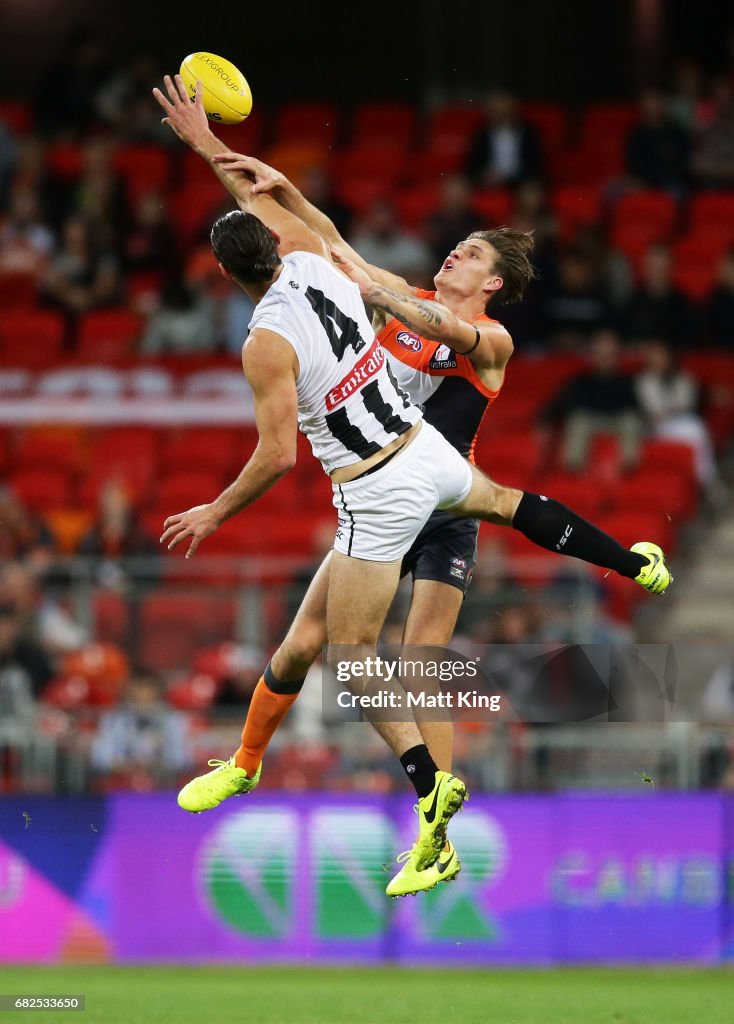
<point>381,514</point>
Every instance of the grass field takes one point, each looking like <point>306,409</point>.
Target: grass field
<point>199,995</point>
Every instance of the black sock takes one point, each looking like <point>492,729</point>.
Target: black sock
<point>278,686</point>
<point>420,768</point>
<point>553,526</point>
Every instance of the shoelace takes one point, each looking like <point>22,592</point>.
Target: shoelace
<point>405,855</point>
<point>213,763</point>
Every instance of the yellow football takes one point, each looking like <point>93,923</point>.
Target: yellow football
<point>227,97</point>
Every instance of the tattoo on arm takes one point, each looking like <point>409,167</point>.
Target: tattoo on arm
<point>422,314</point>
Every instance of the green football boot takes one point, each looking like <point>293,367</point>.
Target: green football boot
<point>655,577</point>
<point>207,791</point>
<point>410,881</point>
<point>435,811</point>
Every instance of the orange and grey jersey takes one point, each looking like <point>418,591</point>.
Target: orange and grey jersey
<point>444,384</point>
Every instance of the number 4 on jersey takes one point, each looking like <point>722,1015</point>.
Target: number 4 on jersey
<point>341,330</point>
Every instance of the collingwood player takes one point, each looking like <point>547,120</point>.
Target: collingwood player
<point>311,356</point>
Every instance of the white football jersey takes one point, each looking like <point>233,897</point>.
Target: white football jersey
<point>349,403</point>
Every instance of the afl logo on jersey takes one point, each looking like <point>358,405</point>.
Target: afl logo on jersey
<point>410,341</point>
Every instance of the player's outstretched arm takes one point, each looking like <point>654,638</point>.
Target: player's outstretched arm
<point>189,121</point>
<point>271,366</point>
<point>268,180</point>
<point>488,345</point>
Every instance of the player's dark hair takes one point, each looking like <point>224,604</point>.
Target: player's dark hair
<point>513,265</point>
<point>245,247</point>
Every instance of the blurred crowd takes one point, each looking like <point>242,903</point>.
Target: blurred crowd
<point>81,235</point>
<point>74,224</point>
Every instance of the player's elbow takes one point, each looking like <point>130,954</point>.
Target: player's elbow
<point>283,460</point>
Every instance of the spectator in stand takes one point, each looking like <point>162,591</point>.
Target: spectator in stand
<point>242,670</point>
<point>25,666</point>
<point>505,150</point>
<point>42,619</point>
<point>115,535</point>
<point>658,148</point>
<point>26,243</point>
<point>23,535</point>
<point>576,305</point>
<point>600,400</point>
<point>8,159</point>
<point>98,194</point>
<point>686,104</point>
<point>149,242</point>
<point>713,162</point>
<point>718,313</point>
<point>669,399</point>
<point>380,241</point>
<point>657,309</point>
<point>66,99</point>
<point>315,184</point>
<point>124,102</point>
<point>81,276</point>
<point>144,742</point>
<point>182,325</point>
<point>453,220</point>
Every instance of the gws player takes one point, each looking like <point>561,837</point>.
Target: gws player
<point>485,499</point>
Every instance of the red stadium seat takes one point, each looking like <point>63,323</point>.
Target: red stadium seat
<point>608,119</point>
<point>111,617</point>
<point>31,337</point>
<point>674,456</point>
<point>126,455</point>
<point>493,204</point>
<point>577,206</point>
<point>377,123</point>
<point>712,210</point>
<point>217,449</point>
<point>18,291</point>
<point>656,210</point>
<point>173,627</point>
<point>17,115</point>
<point>696,263</point>
<point>584,494</point>
<point>550,120</point>
<point>308,122</point>
<point>42,489</point>
<point>632,524</point>
<point>445,154</point>
<point>195,205</point>
<point>460,121</point>
<point>143,168</point>
<point>184,488</point>
<point>416,204</point>
<point>384,163</point>
<point>668,492</point>
<point>48,447</point>
<point>107,335</point>
<point>359,193</point>
<point>65,160</point>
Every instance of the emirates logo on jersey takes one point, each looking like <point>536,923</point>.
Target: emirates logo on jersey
<point>410,341</point>
<point>369,365</point>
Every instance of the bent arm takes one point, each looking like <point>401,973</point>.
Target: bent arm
<point>189,121</point>
<point>270,181</point>
<point>487,345</point>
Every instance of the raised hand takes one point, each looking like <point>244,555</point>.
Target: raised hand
<point>186,118</point>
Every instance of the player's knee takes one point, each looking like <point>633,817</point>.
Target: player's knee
<point>301,650</point>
